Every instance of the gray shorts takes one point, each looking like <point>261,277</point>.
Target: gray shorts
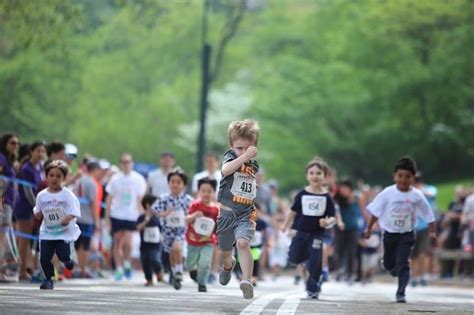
<point>231,228</point>
<point>6,215</point>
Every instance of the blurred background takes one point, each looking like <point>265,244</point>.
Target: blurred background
<point>359,83</point>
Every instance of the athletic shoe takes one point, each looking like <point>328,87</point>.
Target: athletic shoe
<point>193,274</point>
<point>202,288</point>
<point>149,283</point>
<point>423,282</point>
<point>325,276</point>
<point>47,285</point>
<point>159,277</point>
<point>313,295</point>
<point>225,275</point>
<point>414,283</point>
<point>401,298</point>
<point>212,278</point>
<point>128,273</point>
<point>247,289</point>
<point>178,277</point>
<point>118,275</point>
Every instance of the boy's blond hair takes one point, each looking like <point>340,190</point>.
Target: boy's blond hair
<point>247,129</point>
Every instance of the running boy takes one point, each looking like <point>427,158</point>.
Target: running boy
<point>200,236</point>
<point>149,227</point>
<point>171,208</point>
<point>396,209</point>
<point>312,213</point>
<point>58,207</point>
<point>237,192</point>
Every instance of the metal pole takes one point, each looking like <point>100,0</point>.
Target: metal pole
<point>205,85</point>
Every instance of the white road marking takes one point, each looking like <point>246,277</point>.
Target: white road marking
<point>290,305</point>
<point>257,306</point>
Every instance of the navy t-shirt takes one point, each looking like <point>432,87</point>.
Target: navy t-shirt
<point>310,208</point>
<point>154,221</point>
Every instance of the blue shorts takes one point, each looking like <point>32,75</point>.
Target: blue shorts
<point>122,225</point>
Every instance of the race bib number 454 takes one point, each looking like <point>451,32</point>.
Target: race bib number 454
<point>313,206</point>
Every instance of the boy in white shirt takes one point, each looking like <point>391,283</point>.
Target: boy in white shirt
<point>396,209</point>
<point>58,207</point>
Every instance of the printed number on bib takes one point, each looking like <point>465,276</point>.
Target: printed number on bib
<point>151,234</point>
<point>204,226</point>
<point>257,239</point>
<point>175,219</point>
<point>53,217</point>
<point>401,222</point>
<point>313,206</point>
<point>244,186</point>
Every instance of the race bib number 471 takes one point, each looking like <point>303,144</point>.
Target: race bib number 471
<point>313,206</point>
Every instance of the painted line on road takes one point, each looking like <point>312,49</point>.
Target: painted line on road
<point>290,305</point>
<point>257,306</point>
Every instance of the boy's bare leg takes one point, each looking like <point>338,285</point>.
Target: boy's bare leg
<point>245,257</point>
<point>226,259</point>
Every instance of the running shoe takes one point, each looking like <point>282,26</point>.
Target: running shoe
<point>225,275</point>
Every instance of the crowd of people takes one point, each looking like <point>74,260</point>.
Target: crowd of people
<point>232,221</point>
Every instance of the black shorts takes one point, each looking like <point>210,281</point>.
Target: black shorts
<point>84,240</point>
<point>122,225</point>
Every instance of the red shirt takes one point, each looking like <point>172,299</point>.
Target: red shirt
<point>210,211</point>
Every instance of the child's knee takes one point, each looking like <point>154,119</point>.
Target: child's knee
<point>242,244</point>
<point>176,247</point>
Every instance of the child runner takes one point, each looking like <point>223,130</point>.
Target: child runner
<point>395,209</point>
<point>171,208</point>
<point>200,236</point>
<point>312,213</point>
<point>237,193</point>
<point>149,227</point>
<point>58,207</point>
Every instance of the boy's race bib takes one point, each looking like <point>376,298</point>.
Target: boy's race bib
<point>257,239</point>
<point>53,217</point>
<point>175,219</point>
<point>401,222</point>
<point>244,186</point>
<point>313,206</point>
<point>204,226</point>
<point>151,234</point>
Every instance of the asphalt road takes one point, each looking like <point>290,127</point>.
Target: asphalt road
<point>83,296</point>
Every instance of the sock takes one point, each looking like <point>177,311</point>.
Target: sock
<point>174,269</point>
<point>127,265</point>
<point>326,269</point>
<point>179,268</point>
<point>119,269</point>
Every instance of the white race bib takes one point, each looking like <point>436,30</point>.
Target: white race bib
<point>151,234</point>
<point>313,206</point>
<point>244,186</point>
<point>53,217</point>
<point>373,241</point>
<point>401,222</point>
<point>257,239</point>
<point>175,219</point>
<point>204,226</point>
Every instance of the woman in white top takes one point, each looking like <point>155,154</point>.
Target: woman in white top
<point>396,209</point>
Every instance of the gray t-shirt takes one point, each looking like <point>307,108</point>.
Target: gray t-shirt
<point>239,190</point>
<point>87,193</point>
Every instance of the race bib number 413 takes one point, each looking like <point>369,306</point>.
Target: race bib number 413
<point>244,186</point>
<point>313,206</point>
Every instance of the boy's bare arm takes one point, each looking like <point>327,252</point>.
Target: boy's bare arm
<point>232,166</point>
<point>372,221</point>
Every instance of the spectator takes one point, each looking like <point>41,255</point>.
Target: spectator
<point>212,171</point>
<point>158,179</point>
<point>30,171</point>
<point>89,220</point>
<point>8,147</point>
